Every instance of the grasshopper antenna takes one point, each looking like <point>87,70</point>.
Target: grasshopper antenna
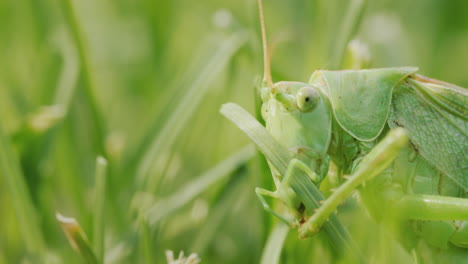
<point>266,54</point>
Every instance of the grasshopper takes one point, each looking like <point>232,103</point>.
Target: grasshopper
<point>400,138</point>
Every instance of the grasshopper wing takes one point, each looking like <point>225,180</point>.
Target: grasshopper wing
<point>436,115</point>
<point>361,99</point>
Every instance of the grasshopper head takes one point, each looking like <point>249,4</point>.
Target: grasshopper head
<point>297,116</point>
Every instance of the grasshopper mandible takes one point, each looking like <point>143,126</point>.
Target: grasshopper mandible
<point>402,134</point>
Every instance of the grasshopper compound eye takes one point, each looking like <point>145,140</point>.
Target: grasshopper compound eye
<point>307,99</point>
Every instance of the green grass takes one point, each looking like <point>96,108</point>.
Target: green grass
<point>140,83</point>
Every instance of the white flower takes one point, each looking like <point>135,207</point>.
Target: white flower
<point>191,259</point>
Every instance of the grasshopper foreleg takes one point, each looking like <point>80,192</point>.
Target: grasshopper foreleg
<point>373,164</point>
<point>296,164</point>
<point>260,194</point>
<point>284,191</point>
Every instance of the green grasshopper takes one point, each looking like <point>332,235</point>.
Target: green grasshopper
<point>400,138</point>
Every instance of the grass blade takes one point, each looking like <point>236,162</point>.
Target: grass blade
<point>25,213</point>
<point>86,70</point>
<point>273,151</point>
<point>337,233</point>
<point>99,201</point>
<point>274,244</point>
<point>77,238</point>
<point>349,27</point>
<point>68,78</point>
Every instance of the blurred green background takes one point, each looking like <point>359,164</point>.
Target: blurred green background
<point>140,82</point>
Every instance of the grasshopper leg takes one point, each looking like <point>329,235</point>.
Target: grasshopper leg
<point>296,164</point>
<point>283,188</point>
<point>432,207</point>
<point>260,194</point>
<point>373,164</point>
<point>449,214</point>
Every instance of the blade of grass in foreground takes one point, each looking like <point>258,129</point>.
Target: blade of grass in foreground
<point>274,244</point>
<point>184,195</point>
<point>185,108</point>
<point>25,213</point>
<point>301,183</point>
